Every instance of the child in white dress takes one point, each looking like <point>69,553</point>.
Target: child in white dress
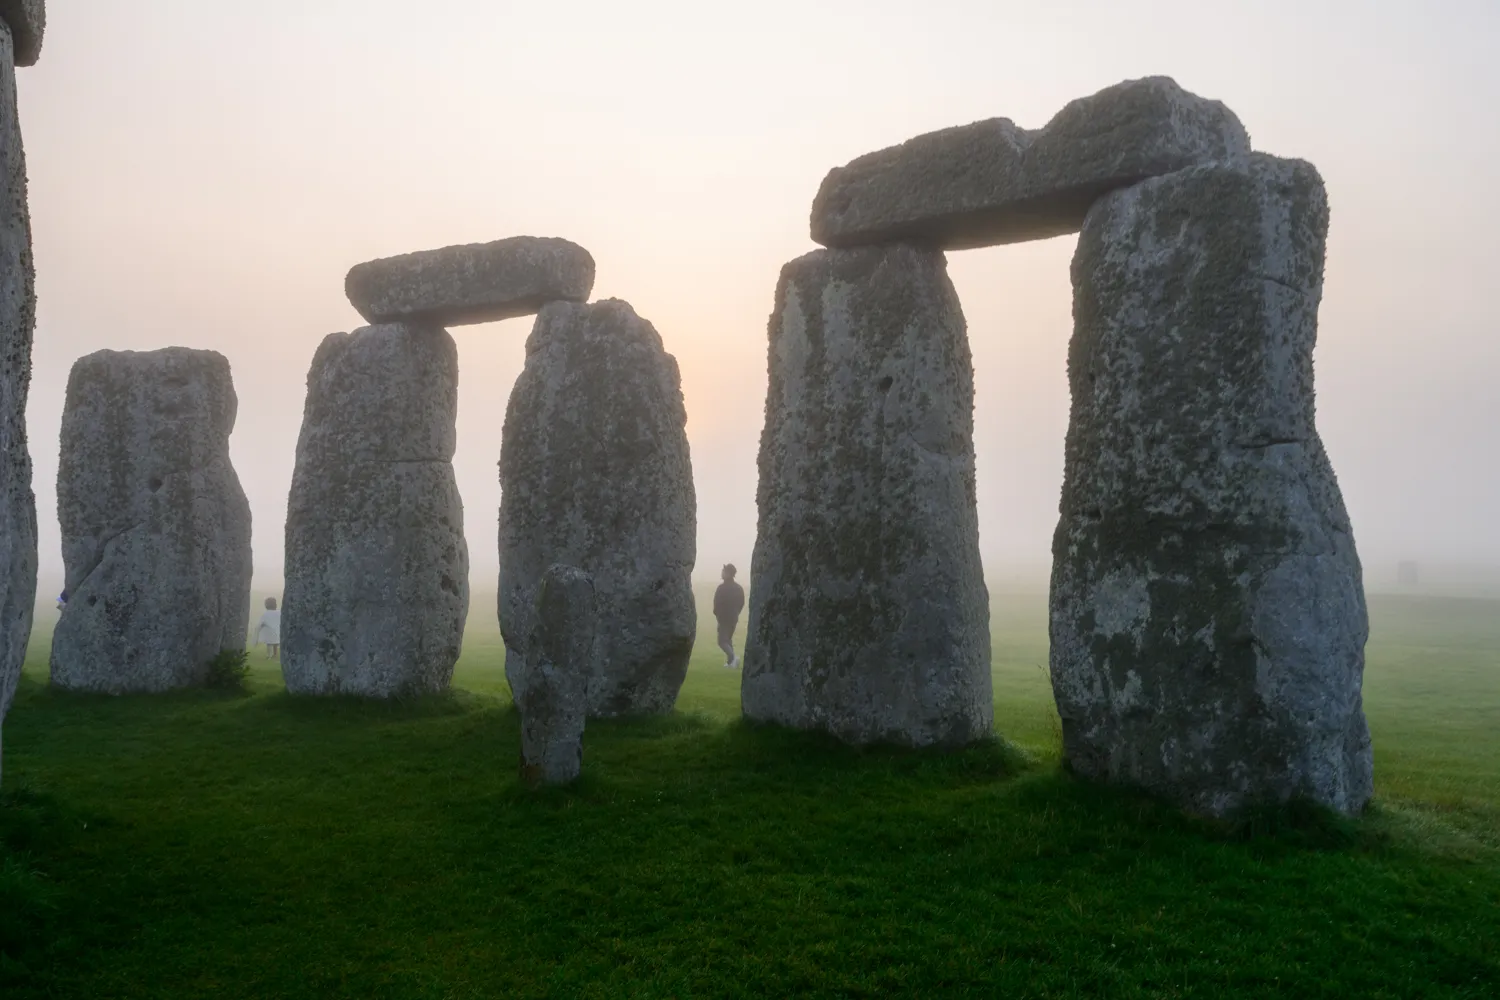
<point>269,631</point>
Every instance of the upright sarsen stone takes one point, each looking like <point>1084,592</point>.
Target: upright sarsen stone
<point>552,692</point>
<point>595,473</point>
<point>377,569</point>
<point>869,616</point>
<point>155,526</point>
<point>1207,614</point>
<point>17,320</point>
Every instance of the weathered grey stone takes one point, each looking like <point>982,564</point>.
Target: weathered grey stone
<point>17,320</point>
<point>1207,613</point>
<point>27,21</point>
<point>595,473</point>
<point>476,283</point>
<point>553,691</point>
<point>377,569</point>
<point>155,526</point>
<point>992,182</point>
<point>869,616</point>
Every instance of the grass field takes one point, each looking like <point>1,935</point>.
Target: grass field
<point>264,846</point>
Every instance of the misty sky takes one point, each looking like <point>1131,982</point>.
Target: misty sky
<point>204,173</point>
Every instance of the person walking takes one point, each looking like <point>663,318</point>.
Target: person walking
<point>269,630</point>
<point>729,601</point>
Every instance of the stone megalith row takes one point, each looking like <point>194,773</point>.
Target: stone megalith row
<point>1207,613</point>
<point>595,473</point>
<point>377,567</point>
<point>21,24</point>
<point>155,526</point>
<point>1208,616</point>
<point>869,616</point>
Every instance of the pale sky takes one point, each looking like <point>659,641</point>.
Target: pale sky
<point>204,172</point>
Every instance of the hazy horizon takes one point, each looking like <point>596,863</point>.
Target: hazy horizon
<point>204,175</point>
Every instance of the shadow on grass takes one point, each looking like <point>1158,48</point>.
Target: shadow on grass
<point>351,708</point>
<point>30,902</point>
<point>1296,826</point>
<point>759,745</point>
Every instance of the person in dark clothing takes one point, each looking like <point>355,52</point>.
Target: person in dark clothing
<point>729,601</point>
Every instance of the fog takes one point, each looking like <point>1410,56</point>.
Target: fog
<point>204,174</point>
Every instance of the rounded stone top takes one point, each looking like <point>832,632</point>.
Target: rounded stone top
<point>27,21</point>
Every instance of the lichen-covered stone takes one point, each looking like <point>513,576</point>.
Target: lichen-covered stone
<point>474,283</point>
<point>17,320</point>
<point>595,473</point>
<point>869,616</point>
<point>552,694</point>
<point>377,569</point>
<point>992,182</point>
<point>1207,614</point>
<point>155,526</point>
<point>27,22</point>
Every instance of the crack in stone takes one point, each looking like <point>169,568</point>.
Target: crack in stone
<point>1284,284</point>
<point>101,552</point>
<point>1263,443</point>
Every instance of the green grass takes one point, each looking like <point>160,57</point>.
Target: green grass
<point>256,845</point>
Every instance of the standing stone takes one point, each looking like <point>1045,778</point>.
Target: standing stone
<point>377,569</point>
<point>595,473</point>
<point>155,526</point>
<point>17,320</point>
<point>993,182</point>
<point>869,616</point>
<point>553,691</point>
<point>1207,613</point>
<point>26,21</point>
<point>474,283</point>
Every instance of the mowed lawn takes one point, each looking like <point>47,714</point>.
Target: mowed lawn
<point>214,845</point>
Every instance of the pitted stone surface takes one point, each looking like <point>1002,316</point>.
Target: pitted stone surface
<point>595,473</point>
<point>377,569</point>
<point>1207,614</point>
<point>869,616</point>
<point>553,692</point>
<point>155,526</point>
<point>27,21</point>
<point>474,283</point>
<point>17,320</point>
<point>993,182</point>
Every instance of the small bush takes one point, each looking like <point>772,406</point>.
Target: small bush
<point>228,670</point>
